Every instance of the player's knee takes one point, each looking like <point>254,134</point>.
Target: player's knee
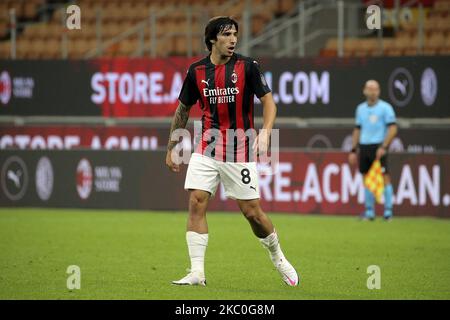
<point>251,210</point>
<point>197,202</point>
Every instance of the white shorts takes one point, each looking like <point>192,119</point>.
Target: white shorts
<point>240,179</point>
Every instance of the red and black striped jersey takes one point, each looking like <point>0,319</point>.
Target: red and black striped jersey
<point>226,94</point>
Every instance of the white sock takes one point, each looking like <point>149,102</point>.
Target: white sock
<point>197,244</point>
<point>272,244</point>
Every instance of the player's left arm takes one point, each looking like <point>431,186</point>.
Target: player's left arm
<point>261,89</point>
<point>269,115</point>
<point>391,132</point>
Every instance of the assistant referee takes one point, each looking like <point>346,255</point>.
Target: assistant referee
<point>374,131</point>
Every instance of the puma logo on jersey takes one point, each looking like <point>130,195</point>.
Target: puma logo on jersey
<point>207,82</point>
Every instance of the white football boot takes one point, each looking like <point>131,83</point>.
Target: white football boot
<point>192,279</point>
<point>287,272</point>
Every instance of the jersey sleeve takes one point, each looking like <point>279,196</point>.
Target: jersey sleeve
<point>257,81</point>
<point>358,118</point>
<point>389,115</point>
<point>189,91</point>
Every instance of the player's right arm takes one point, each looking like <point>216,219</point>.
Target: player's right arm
<point>188,97</point>
<point>179,121</point>
<point>352,157</point>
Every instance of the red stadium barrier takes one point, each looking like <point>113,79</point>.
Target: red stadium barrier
<point>323,182</point>
<point>316,182</point>
<point>141,137</point>
<point>58,137</point>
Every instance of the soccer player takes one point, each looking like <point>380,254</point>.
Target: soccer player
<point>374,131</point>
<point>225,83</point>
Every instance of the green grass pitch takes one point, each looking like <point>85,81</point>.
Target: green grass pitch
<point>135,255</point>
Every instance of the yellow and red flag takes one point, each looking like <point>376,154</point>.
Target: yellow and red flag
<point>374,180</point>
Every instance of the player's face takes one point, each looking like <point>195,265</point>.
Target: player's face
<point>226,42</point>
<point>372,91</point>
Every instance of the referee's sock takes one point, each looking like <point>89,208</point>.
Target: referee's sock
<point>388,191</point>
<point>369,201</point>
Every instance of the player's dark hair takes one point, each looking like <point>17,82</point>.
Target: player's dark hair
<point>217,25</point>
